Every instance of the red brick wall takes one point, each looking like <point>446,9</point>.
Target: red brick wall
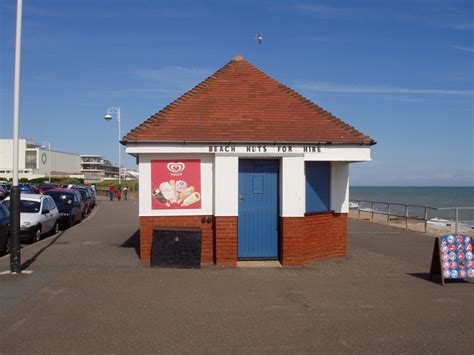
<point>147,224</point>
<point>317,236</point>
<point>302,239</point>
<point>226,241</point>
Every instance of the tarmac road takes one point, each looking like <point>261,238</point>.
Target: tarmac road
<point>88,293</point>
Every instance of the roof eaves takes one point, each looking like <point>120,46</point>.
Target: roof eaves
<point>160,142</point>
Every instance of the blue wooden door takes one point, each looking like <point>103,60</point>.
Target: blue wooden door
<point>258,209</point>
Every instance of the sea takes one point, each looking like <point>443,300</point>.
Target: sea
<point>436,197</point>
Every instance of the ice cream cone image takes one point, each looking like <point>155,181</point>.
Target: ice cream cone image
<point>173,189</point>
<point>185,193</point>
<point>167,191</point>
<point>193,198</point>
<point>181,185</point>
<point>160,198</point>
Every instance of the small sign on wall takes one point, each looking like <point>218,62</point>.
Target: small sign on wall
<point>175,184</point>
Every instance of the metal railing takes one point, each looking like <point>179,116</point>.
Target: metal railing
<point>367,206</point>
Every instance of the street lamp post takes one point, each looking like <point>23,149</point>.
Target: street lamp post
<point>15,254</point>
<point>49,158</point>
<point>108,117</point>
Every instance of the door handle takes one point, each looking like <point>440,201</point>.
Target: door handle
<point>241,199</point>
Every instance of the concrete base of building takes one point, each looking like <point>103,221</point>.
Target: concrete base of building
<point>259,263</point>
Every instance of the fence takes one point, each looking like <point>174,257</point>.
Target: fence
<point>418,217</point>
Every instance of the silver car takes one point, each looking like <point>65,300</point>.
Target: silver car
<point>39,216</point>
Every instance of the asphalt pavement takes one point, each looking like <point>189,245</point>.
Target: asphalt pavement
<point>89,293</point>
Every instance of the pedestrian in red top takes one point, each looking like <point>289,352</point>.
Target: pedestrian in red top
<point>111,191</point>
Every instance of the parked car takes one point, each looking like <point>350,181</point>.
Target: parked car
<point>70,205</point>
<point>5,186</point>
<point>45,187</point>
<point>4,229</point>
<point>86,196</point>
<point>26,188</point>
<point>3,192</point>
<point>39,216</point>
<point>93,195</point>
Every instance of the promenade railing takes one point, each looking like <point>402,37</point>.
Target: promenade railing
<point>394,213</point>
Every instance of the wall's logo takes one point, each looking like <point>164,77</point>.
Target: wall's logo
<point>175,168</point>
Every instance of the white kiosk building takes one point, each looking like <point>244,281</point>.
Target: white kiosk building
<point>261,171</point>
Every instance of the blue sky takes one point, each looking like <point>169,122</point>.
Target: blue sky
<point>399,71</point>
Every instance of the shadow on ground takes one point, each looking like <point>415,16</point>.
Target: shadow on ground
<point>133,242</point>
<point>31,260</point>
<point>436,278</point>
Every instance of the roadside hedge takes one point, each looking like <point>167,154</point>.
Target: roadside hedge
<point>131,184</point>
<point>42,180</point>
<point>103,185</point>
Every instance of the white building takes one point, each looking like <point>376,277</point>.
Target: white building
<point>37,161</point>
<point>256,169</point>
<point>96,168</point>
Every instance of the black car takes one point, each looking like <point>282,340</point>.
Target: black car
<point>69,206</point>
<point>3,192</point>
<point>4,229</point>
<point>92,192</point>
<point>86,196</point>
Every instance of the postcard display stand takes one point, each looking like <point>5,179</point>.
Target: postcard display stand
<point>452,258</point>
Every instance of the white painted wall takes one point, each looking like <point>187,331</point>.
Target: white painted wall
<point>220,184</point>
<point>292,177</point>
<point>340,153</point>
<point>6,154</point>
<point>207,188</point>
<point>327,152</point>
<point>60,162</point>
<point>340,187</point>
<point>226,188</point>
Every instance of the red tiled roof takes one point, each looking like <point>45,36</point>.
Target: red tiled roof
<point>239,103</point>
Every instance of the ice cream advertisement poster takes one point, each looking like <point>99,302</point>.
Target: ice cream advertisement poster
<point>175,184</point>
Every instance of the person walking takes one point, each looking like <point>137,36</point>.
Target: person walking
<point>118,192</point>
<point>111,191</point>
<point>125,192</point>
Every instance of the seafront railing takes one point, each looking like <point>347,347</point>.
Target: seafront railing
<point>414,217</point>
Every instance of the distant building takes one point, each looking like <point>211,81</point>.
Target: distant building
<point>36,161</point>
<point>96,168</point>
<point>129,174</point>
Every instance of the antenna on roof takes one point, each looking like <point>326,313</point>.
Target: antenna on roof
<point>259,38</point>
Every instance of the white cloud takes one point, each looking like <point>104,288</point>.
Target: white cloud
<point>467,49</point>
<point>323,11</point>
<point>175,77</point>
<point>376,89</point>
<point>442,15</point>
<point>464,26</point>
<point>167,82</point>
